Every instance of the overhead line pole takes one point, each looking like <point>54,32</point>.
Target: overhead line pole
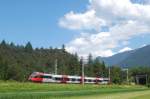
<point>146,79</point>
<point>56,67</point>
<point>127,75</point>
<point>109,74</point>
<point>82,71</point>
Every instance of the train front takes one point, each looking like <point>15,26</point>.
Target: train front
<point>36,77</point>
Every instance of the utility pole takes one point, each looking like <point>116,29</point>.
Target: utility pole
<point>146,79</point>
<point>127,74</point>
<point>56,67</point>
<point>82,71</point>
<point>109,73</point>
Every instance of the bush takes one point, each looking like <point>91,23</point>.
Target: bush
<point>148,85</point>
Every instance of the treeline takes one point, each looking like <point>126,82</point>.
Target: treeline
<point>136,74</point>
<point>17,62</point>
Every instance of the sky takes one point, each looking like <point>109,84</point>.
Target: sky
<point>100,27</point>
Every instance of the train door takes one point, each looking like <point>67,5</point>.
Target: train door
<point>64,79</point>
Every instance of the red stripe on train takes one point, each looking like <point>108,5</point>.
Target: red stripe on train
<point>37,79</point>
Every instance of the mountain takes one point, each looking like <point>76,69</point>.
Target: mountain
<point>115,59</point>
<point>137,57</point>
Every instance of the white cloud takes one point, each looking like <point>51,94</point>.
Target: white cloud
<point>125,42</point>
<point>125,20</point>
<point>97,44</point>
<point>81,21</point>
<point>119,11</point>
<point>125,49</point>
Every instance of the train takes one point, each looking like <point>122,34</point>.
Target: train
<point>52,78</point>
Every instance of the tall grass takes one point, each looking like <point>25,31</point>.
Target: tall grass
<point>16,90</point>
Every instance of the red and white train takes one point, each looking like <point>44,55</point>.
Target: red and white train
<point>51,78</point>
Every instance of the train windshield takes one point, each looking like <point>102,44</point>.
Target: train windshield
<point>35,74</point>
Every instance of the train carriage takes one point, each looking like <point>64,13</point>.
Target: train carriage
<point>51,78</point>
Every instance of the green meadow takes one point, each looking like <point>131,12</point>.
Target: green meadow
<point>16,90</point>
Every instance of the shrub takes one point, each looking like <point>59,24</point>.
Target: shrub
<point>148,85</point>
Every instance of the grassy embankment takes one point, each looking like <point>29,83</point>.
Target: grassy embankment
<point>15,90</point>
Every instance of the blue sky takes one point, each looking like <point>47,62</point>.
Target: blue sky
<point>37,21</point>
<point>77,23</point>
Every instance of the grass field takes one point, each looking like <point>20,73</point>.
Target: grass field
<point>15,90</point>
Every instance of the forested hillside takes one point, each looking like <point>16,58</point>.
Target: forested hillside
<point>117,58</point>
<point>140,57</point>
<point>17,62</point>
<point>137,57</point>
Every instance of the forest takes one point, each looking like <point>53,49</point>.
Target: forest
<point>17,62</point>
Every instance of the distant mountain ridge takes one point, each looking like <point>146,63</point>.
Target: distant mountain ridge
<point>137,57</point>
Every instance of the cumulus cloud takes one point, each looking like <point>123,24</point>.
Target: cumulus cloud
<point>81,21</point>
<point>97,44</point>
<point>125,20</point>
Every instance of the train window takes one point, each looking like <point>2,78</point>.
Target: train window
<point>99,80</point>
<point>57,78</point>
<point>89,80</point>
<point>105,80</point>
<point>85,80</point>
<point>38,76</point>
<point>78,79</point>
<point>47,77</point>
<point>73,79</point>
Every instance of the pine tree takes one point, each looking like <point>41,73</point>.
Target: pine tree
<point>3,43</point>
<point>89,67</point>
<point>63,48</point>
<point>28,47</point>
<point>97,68</point>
